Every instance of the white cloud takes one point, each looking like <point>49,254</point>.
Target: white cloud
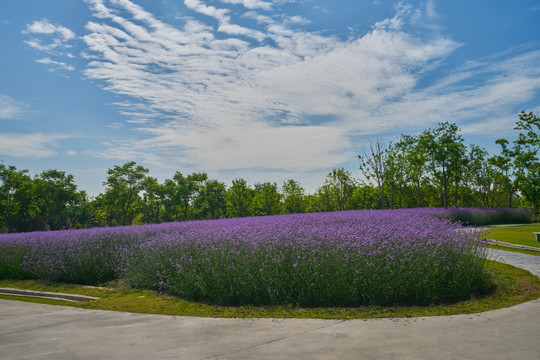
<point>60,35</point>
<point>10,108</point>
<point>55,64</point>
<point>58,40</point>
<point>293,104</point>
<point>32,146</point>
<point>45,27</point>
<point>251,4</point>
<point>224,19</point>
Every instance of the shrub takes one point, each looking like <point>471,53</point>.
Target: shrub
<point>482,216</point>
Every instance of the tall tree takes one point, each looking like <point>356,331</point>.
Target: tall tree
<point>153,196</point>
<point>505,170</point>
<point>446,150</point>
<point>373,166</point>
<point>239,197</point>
<point>18,207</point>
<point>526,149</point>
<point>340,185</point>
<point>185,189</point>
<point>211,200</point>
<point>294,197</point>
<point>267,199</point>
<point>58,199</point>
<point>414,164</point>
<point>480,176</point>
<point>123,185</point>
<point>323,199</point>
<point>395,176</point>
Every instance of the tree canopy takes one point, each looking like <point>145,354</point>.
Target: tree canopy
<point>433,168</point>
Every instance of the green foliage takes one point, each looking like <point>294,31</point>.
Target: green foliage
<point>526,149</point>
<point>431,169</point>
<point>445,152</point>
<point>373,166</point>
<point>121,200</point>
<point>267,200</point>
<point>17,197</point>
<point>181,193</point>
<point>211,200</point>
<point>340,185</point>
<point>294,197</point>
<point>51,201</point>
<point>239,198</point>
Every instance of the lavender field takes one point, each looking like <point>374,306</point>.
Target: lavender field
<point>351,258</point>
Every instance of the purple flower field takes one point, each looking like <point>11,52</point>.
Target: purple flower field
<point>351,258</point>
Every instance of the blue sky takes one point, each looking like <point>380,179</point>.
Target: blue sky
<point>260,89</point>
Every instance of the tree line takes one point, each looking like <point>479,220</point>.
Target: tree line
<point>432,169</point>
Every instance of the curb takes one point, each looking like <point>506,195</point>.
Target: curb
<point>47,295</point>
<point>515,246</point>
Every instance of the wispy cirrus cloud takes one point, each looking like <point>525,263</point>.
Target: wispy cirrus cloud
<point>32,146</point>
<point>55,64</point>
<point>55,41</point>
<point>251,4</point>
<point>11,108</point>
<point>60,35</point>
<point>217,95</point>
<point>292,103</point>
<point>45,27</point>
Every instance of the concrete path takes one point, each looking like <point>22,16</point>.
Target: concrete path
<point>33,331</point>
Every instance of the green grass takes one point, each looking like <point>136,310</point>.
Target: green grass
<point>521,235</point>
<point>513,286</point>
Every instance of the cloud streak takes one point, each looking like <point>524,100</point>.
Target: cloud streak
<point>33,146</point>
<point>60,65</point>
<point>217,95</point>
<point>57,40</point>
<point>61,35</point>
<point>10,108</point>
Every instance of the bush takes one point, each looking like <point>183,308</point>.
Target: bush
<point>481,216</point>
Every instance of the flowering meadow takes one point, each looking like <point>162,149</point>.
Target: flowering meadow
<point>350,258</point>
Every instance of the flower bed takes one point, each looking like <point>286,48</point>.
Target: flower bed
<point>405,257</point>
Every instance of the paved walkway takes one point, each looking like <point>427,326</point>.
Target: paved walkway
<point>33,331</point>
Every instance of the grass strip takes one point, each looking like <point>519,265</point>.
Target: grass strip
<point>521,235</point>
<point>513,286</point>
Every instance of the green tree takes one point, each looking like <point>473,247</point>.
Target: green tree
<point>238,199</point>
<point>480,176</point>
<point>58,200</point>
<point>294,201</point>
<point>526,149</point>
<point>183,191</point>
<point>414,164</point>
<point>153,196</point>
<point>211,200</point>
<point>373,166</point>
<point>323,200</point>
<point>339,185</point>
<point>121,198</point>
<point>396,178</point>
<point>267,200</point>
<point>365,197</point>
<point>445,152</point>
<point>18,205</point>
<point>505,171</point>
